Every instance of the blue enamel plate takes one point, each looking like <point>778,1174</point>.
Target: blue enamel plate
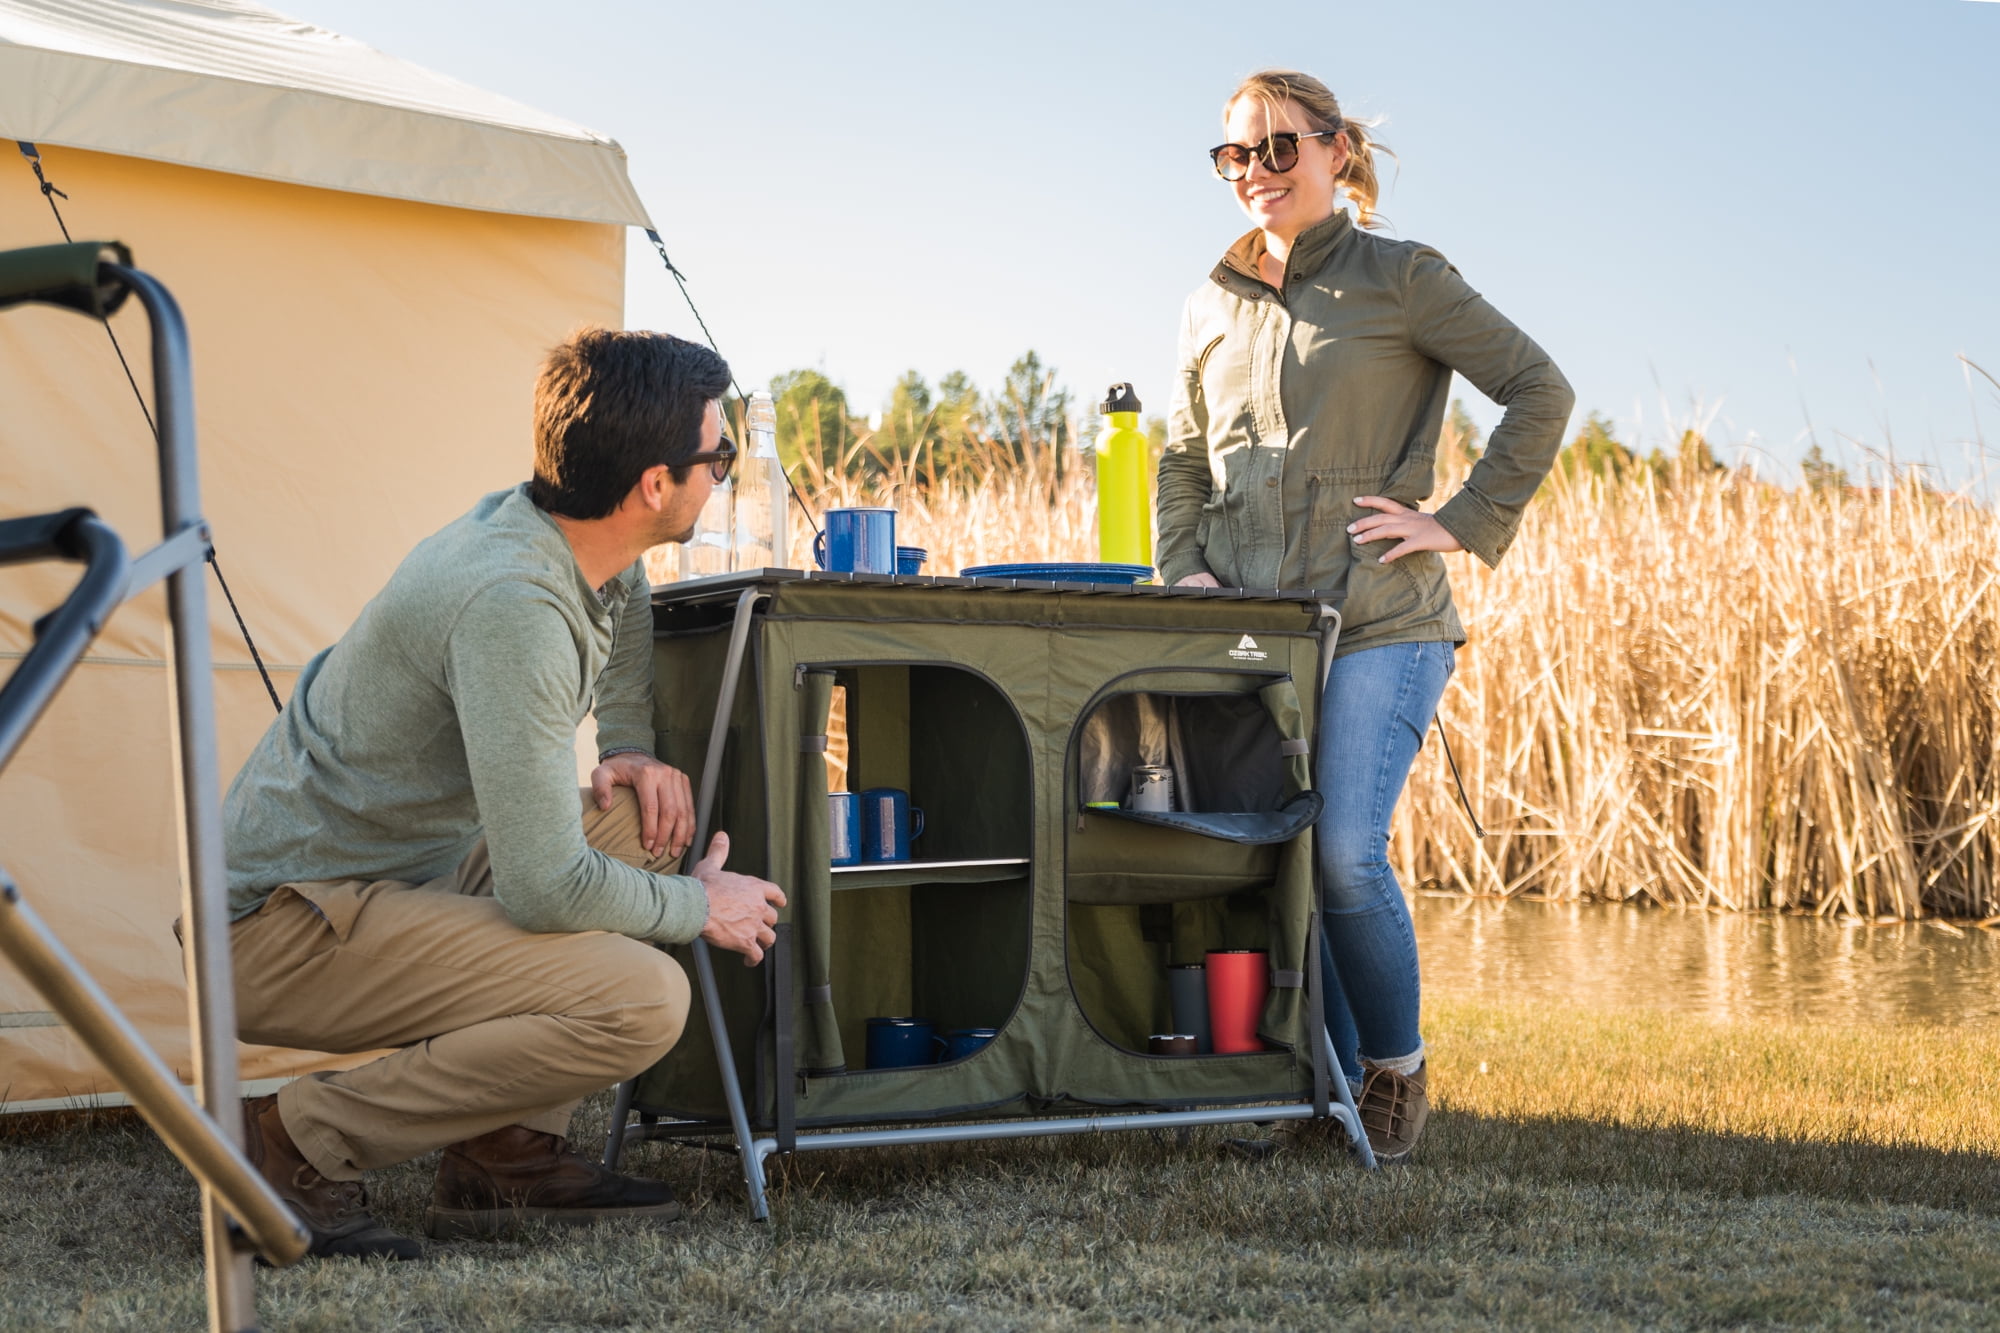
<point>1061,573</point>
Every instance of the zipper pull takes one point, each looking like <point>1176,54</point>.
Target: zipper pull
<point>799,676</point>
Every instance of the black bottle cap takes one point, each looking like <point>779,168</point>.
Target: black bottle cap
<point>1120,398</point>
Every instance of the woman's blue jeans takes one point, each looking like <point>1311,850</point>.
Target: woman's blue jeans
<point>1377,706</point>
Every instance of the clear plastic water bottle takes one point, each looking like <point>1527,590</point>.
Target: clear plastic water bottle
<point>711,547</point>
<point>763,535</point>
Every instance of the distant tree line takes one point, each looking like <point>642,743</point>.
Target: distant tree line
<point>954,430</point>
<point>1596,450</point>
<point>948,429</point>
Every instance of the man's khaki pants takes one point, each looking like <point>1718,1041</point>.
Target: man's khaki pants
<point>497,1026</point>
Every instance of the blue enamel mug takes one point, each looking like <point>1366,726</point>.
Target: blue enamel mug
<point>961,1042</point>
<point>898,1043</point>
<point>857,541</point>
<point>888,822</point>
<point>910,559</point>
<point>843,827</point>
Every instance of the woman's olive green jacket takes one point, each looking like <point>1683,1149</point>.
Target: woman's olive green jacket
<point>1290,404</point>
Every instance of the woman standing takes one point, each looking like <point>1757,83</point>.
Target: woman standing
<point>1315,364</point>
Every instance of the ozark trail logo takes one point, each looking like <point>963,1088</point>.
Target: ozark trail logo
<point>1247,651</point>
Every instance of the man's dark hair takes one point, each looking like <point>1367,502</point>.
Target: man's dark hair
<point>608,405</point>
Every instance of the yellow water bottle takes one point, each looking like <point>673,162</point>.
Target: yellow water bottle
<point>1124,508</point>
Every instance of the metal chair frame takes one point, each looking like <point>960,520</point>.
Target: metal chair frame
<point>241,1214</point>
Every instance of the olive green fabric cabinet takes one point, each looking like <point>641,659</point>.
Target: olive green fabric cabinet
<point>1004,709</point>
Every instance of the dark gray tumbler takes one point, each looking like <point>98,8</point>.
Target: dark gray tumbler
<point>1187,983</point>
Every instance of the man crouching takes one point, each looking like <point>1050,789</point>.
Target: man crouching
<point>409,861</point>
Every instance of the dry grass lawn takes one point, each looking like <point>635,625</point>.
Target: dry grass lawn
<point>1589,1170</point>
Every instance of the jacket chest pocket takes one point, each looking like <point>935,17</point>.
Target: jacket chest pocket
<point>1221,379</point>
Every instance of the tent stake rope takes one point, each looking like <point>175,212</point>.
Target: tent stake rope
<point>51,193</point>
<point>680,280</point>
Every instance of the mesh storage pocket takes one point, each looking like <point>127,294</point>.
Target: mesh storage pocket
<point>1240,791</point>
<point>1229,867</point>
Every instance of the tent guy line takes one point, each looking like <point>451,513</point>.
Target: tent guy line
<point>49,192</point>
<point>680,281</point>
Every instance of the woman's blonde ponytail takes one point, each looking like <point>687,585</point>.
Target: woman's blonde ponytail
<point>1358,177</point>
<point>1318,105</point>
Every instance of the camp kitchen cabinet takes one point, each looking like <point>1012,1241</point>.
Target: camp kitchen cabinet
<point>1005,708</point>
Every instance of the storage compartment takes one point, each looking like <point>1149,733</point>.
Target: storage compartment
<point>1119,956</point>
<point>1227,868</point>
<point>946,935</point>
<point>1019,911</point>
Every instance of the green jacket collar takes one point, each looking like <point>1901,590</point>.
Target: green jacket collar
<point>1310,253</point>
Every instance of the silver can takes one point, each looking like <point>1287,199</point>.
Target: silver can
<point>1152,788</point>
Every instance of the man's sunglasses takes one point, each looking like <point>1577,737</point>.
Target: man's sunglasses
<point>718,459</point>
<point>1280,152</point>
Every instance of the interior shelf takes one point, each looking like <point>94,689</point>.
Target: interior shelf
<point>889,874</point>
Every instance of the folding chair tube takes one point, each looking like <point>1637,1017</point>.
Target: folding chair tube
<point>208,1138</point>
<point>204,893</point>
<point>61,636</point>
<point>111,1039</point>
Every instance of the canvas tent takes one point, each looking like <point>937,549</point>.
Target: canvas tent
<point>372,259</point>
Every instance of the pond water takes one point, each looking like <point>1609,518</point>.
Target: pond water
<point>1724,966</point>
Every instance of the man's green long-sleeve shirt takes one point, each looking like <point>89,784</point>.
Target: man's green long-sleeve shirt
<point>449,710</point>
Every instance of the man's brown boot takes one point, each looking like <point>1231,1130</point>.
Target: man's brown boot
<point>334,1211</point>
<point>1393,1110</point>
<point>489,1185</point>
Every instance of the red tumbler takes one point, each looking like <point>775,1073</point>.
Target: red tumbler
<point>1238,982</point>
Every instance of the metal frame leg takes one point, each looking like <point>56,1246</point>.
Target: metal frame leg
<point>704,964</point>
<point>1347,1112</point>
<point>1326,1058</point>
<point>1316,1001</point>
<point>621,1111</point>
<point>786,1064</point>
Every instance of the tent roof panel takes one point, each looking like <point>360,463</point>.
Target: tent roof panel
<point>232,86</point>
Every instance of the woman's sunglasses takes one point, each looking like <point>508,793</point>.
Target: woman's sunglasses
<point>718,459</point>
<point>1280,152</point>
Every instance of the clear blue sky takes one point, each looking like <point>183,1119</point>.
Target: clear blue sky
<point>1744,213</point>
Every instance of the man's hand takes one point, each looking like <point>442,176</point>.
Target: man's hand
<point>666,801</point>
<point>742,909</point>
<point>1412,529</point>
<point>1201,580</point>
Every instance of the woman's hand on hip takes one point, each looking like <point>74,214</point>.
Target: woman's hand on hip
<point>1201,580</point>
<point>1410,529</point>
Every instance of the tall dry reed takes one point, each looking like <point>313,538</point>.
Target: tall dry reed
<point>990,509</point>
<point>1688,687</point>
<point>1706,690</point>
